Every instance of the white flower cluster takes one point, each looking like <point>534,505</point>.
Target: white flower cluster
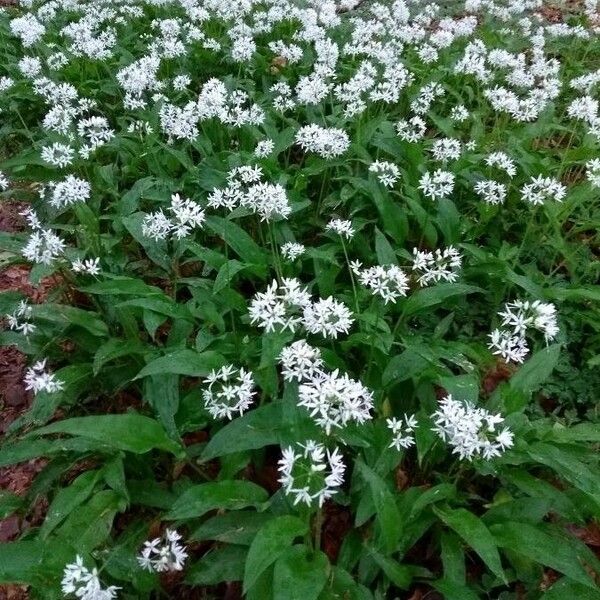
<point>38,379</point>
<point>491,192</point>
<point>69,191</point>
<point>471,431</point>
<point>402,431</point>
<point>187,216</point>
<point>300,361</point>
<point>411,130</point>
<point>246,188</point>
<point>593,172</point>
<point>288,305</point>
<point>292,250</point>
<point>341,227</point>
<point>89,266</point>
<point>446,149</point>
<point>310,473</point>
<point>501,160</point>
<point>387,173</point>
<point>389,281</point>
<point>440,265</point>
<point>163,553</point>
<point>326,142</point>
<point>79,582</point>
<point>230,391</point>
<point>540,189</point>
<point>20,319</point>
<point>4,183</point>
<point>43,246</point>
<point>437,185</point>
<point>517,319</point>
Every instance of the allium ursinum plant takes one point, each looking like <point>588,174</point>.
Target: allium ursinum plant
<point>309,264</point>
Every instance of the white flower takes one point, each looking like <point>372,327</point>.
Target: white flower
<point>390,282</point>
<point>593,172</point>
<point>441,265</point>
<point>327,317</point>
<point>291,250</point>
<point>584,108</point>
<point>58,155</point>
<point>471,431</point>
<point>79,582</point>
<point>491,192</point>
<point>446,149</point>
<point>335,400</point>
<point>541,189</point>
<point>264,148</point>
<point>230,392</point>
<point>341,227</point>
<point>19,320</point>
<point>459,113</point>
<point>512,348</point>
<point>180,82</point>
<point>187,216</point>
<point>501,161</point>
<point>387,172</point>
<point>38,379</point>
<point>164,553</point>
<point>91,266</point>
<point>402,430</point>
<point>68,192</point>
<point>278,307</point>
<point>313,473</point>
<point>28,29</point>
<point>4,183</point>
<point>437,185</point>
<point>300,361</point>
<point>43,246</point>
<point>326,142</point>
<point>411,130</point>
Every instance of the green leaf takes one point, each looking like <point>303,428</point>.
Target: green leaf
<point>404,366</point>
<point>453,558</point>
<point>113,349</point>
<point>565,589</point>
<point>387,513</point>
<point>385,252</point>
<point>452,590</point>
<point>219,564</point>
<point>130,432</point>
<point>238,527</point>
<point>9,503</point>
<point>162,393</point>
<point>119,285</point>
<point>400,575</point>
<point>238,239</point>
<point>67,500</point>
<point>269,544</point>
<point>548,547</point>
<point>473,531</point>
<point>20,561</point>
<point>428,297</point>
<point>300,574</point>
<point>184,362</point>
<point>536,370</point>
<point>226,273</point>
<point>65,316</point>
<point>224,495</point>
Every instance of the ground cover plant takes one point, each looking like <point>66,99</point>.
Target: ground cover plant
<point>318,315</point>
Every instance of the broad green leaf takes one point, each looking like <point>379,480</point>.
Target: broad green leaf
<point>549,547</point>
<point>115,348</point>
<point>129,431</point>
<point>162,393</point>
<point>67,500</point>
<point>9,502</point>
<point>224,495</point>
<point>453,558</point>
<point>385,252</point>
<point>119,285</point>
<point>217,565</point>
<point>270,543</point>
<point>428,297</point>
<point>452,590</point>
<point>400,575</point>
<point>300,574</point>
<point>183,362</point>
<point>238,239</point>
<point>226,273</point>
<point>404,366</point>
<point>473,531</point>
<point>20,561</point>
<point>238,527</point>
<point>536,370</point>
<point>65,316</point>
<point>566,589</point>
<point>387,513</point>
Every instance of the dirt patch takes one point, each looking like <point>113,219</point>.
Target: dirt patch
<point>10,218</point>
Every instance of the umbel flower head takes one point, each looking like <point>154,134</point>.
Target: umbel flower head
<point>38,379</point>
<point>19,320</point>
<point>390,281</point>
<point>187,215</point>
<point>300,361</point>
<point>471,431</point>
<point>402,431</point>
<point>310,473</point>
<point>163,553</point>
<point>79,582</point>
<point>230,392</point>
<point>441,265</point>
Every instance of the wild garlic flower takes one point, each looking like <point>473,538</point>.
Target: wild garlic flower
<point>264,148</point>
<point>341,227</point>
<point>459,113</point>
<point>278,308</point>
<point>38,379</point>
<point>90,266</point>
<point>326,142</point>
<point>327,317</point>
<point>502,161</point>
<point>491,192</point>
<point>79,582</point>
<point>335,400</point>
<point>584,108</point>
<point>540,189</point>
<point>187,216</point>
<point>411,130</point>
<point>20,319</point>
<point>389,281</point>
<point>511,347</point>
<point>43,247</point>
<point>28,29</point>
<point>58,155</point>
<point>440,265</point>
<point>4,183</point>
<point>387,172</point>
<point>300,361</point>
<point>470,431</point>
<point>437,185</point>
<point>402,431</point>
<point>446,149</point>
<point>6,83</point>
<point>593,172</point>
<point>310,472</point>
<point>230,391</point>
<point>69,191</point>
<point>163,553</point>
<point>292,250</point>
<point>95,132</point>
